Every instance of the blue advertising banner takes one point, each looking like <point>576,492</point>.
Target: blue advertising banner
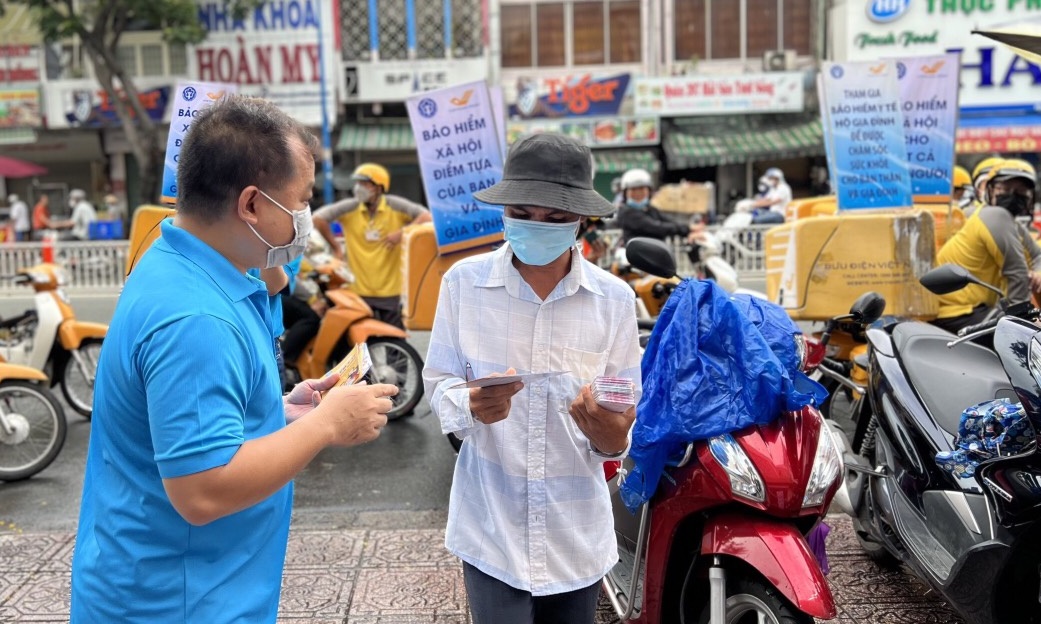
<point>459,154</point>
<point>929,99</point>
<point>189,99</point>
<point>865,128</point>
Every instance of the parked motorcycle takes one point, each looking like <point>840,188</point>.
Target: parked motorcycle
<point>349,321</point>
<point>49,337</point>
<point>723,539</point>
<point>32,422</point>
<point>975,540</point>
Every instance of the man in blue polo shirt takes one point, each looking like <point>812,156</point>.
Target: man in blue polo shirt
<point>188,485</point>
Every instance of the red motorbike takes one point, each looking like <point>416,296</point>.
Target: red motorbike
<point>724,538</point>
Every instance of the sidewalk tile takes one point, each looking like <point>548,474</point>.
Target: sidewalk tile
<point>25,553</point>
<point>325,549</point>
<point>420,547</point>
<point>311,594</point>
<point>409,592</point>
<point>905,613</point>
<point>42,597</point>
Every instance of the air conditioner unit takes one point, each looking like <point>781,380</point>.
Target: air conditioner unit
<point>778,60</point>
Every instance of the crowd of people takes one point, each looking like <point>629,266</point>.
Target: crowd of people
<point>25,224</point>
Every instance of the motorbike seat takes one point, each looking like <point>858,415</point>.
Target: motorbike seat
<point>949,380</point>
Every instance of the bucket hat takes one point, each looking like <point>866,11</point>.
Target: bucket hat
<point>549,171</point>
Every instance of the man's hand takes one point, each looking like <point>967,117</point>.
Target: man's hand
<point>391,240</point>
<point>1035,283</point>
<point>606,430</point>
<point>306,396</point>
<point>492,403</point>
<point>356,414</point>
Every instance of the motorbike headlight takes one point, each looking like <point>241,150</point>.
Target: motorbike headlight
<point>744,478</point>
<point>827,466</point>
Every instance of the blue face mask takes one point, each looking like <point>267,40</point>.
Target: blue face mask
<point>537,243</point>
<point>639,205</point>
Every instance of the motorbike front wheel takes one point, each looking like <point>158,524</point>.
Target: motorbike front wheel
<point>32,429</point>
<point>395,361</point>
<point>752,600</point>
<point>77,380</point>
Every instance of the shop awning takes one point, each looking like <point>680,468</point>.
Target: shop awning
<point>739,140</point>
<point>17,136</point>
<point>375,138</point>
<point>620,161</point>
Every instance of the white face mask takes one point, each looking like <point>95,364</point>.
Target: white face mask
<point>362,194</point>
<point>284,254</point>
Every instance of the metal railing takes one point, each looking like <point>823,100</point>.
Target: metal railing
<point>98,267</point>
<point>90,266</point>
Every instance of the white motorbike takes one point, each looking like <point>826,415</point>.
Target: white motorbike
<point>50,338</point>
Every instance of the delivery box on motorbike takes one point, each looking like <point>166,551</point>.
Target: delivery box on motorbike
<point>947,218</point>
<point>816,266</point>
<point>423,269</point>
<point>144,229</point>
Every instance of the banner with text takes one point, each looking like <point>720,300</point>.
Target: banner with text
<point>459,154</point>
<point>719,95</point>
<point>865,128</point>
<point>189,99</point>
<point>929,99</point>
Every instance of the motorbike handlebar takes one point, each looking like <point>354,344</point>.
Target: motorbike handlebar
<point>972,329</point>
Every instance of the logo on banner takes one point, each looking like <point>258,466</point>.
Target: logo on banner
<point>189,94</point>
<point>836,71</point>
<point>464,99</point>
<point>932,69</point>
<point>901,70</point>
<point>885,11</point>
<point>427,108</point>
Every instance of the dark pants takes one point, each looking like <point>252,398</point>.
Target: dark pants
<point>767,216</point>
<point>495,602</point>
<point>978,315</point>
<point>386,309</point>
<point>301,323</point>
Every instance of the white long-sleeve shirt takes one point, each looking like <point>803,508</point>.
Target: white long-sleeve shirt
<point>529,503</point>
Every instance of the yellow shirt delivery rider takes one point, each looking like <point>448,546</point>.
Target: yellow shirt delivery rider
<point>994,247</point>
<point>371,223</point>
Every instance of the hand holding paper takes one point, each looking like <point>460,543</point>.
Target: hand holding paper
<point>491,402</point>
<point>606,429</point>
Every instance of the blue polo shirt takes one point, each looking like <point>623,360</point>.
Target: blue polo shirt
<point>186,375</point>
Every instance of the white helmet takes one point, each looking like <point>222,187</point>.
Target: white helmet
<point>636,178</point>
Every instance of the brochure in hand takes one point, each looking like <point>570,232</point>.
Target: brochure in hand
<point>484,382</point>
<point>614,393</point>
<point>355,366</point>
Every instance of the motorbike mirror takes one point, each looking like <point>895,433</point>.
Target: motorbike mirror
<point>948,278</point>
<point>868,308</point>
<point>651,256</point>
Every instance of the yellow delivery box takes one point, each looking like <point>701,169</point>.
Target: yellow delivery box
<point>144,229</point>
<point>817,267</point>
<point>423,269</point>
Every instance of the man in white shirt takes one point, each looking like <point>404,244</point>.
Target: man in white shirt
<point>771,208</point>
<point>83,214</point>
<point>530,512</point>
<point>19,217</point>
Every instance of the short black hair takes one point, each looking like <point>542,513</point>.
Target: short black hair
<point>236,142</point>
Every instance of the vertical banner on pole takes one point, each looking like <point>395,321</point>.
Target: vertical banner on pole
<point>929,99</point>
<point>189,99</point>
<point>499,114</point>
<point>459,154</point>
<point>865,126</point>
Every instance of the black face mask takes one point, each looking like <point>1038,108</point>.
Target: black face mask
<point>1017,204</point>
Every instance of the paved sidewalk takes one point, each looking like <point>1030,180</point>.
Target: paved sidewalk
<point>382,571</point>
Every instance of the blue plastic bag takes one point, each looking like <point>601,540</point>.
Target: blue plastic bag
<point>715,364</point>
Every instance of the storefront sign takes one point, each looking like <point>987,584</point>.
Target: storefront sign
<point>271,53</point>
<point>20,108</point>
<point>999,140</point>
<point>929,100</point>
<point>991,74</point>
<point>189,100</point>
<point>569,96</point>
<point>83,104</point>
<point>864,134</point>
<point>459,154</point>
<point>610,132</point>
<point>396,81</point>
<point>19,63</point>
<point>719,95</point>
